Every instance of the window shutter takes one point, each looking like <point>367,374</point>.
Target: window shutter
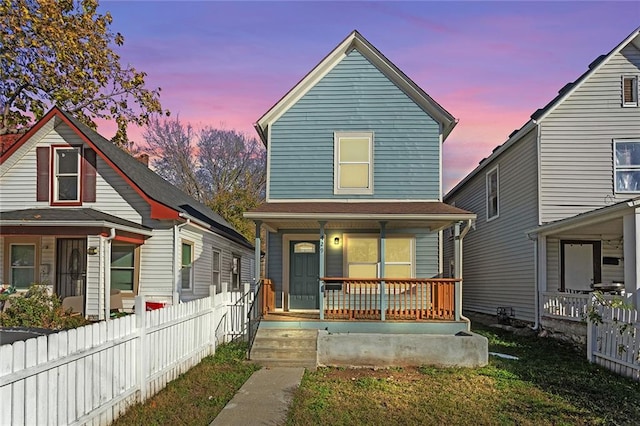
<point>42,178</point>
<point>89,176</point>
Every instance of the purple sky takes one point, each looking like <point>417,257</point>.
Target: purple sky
<point>490,64</point>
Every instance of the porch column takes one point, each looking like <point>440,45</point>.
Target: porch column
<point>383,293</point>
<point>256,274</point>
<point>631,247</point>
<point>457,260</point>
<point>321,272</point>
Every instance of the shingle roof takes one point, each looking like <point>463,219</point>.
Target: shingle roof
<point>363,208</point>
<point>72,216</point>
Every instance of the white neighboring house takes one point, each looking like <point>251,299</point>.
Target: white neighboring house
<point>85,217</point>
<point>557,203</point>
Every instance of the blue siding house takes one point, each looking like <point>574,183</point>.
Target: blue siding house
<point>353,211</point>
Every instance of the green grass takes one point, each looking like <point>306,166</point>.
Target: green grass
<point>196,397</point>
<point>552,383</point>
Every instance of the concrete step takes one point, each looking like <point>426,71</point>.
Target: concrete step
<point>285,347</point>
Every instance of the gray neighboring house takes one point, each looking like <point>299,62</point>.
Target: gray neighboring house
<point>558,203</point>
<point>86,218</point>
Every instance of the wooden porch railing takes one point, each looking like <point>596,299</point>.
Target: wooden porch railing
<point>268,297</point>
<point>403,299</point>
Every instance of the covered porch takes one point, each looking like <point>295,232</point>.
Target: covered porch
<point>359,262</point>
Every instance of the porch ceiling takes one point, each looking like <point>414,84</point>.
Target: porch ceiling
<point>358,215</point>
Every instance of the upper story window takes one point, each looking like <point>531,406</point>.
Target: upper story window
<point>630,91</point>
<point>66,180</point>
<point>66,175</point>
<point>493,191</point>
<point>353,163</point>
<point>627,165</point>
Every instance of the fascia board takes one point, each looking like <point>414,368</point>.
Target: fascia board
<point>76,224</point>
<point>352,216</point>
<point>584,219</point>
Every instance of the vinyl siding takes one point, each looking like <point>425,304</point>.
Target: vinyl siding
<point>498,260</point>
<point>95,279</point>
<point>355,96</point>
<point>576,150</point>
<point>156,266</point>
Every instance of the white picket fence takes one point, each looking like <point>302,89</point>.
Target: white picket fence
<point>566,306</point>
<point>615,343</point>
<point>90,375</point>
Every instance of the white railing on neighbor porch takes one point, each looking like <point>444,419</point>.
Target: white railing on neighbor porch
<point>92,374</point>
<point>614,343</point>
<point>567,306</point>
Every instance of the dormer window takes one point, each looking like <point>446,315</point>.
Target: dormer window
<point>66,181</point>
<point>630,91</point>
<point>353,163</point>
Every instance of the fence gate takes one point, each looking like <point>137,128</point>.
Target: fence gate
<point>71,266</point>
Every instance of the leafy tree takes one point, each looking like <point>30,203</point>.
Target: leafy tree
<point>59,52</point>
<point>223,169</point>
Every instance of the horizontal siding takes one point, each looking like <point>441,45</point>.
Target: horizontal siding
<point>156,265</point>
<point>576,150</point>
<point>498,260</point>
<point>274,264</point>
<point>355,96</point>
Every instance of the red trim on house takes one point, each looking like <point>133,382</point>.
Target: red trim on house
<point>158,210</point>
<point>89,175</point>
<point>42,173</point>
<point>52,177</point>
<point>125,239</point>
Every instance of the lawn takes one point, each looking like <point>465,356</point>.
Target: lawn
<point>551,383</point>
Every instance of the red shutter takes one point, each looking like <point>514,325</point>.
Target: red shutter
<point>89,176</point>
<point>42,178</point>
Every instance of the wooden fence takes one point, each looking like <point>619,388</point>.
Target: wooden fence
<point>614,341</point>
<point>90,375</point>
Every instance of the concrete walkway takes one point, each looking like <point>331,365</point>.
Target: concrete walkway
<point>263,400</point>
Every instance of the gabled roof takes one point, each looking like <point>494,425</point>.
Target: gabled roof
<point>166,201</point>
<point>356,41</point>
<point>540,114</point>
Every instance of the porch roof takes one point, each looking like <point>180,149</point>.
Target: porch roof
<point>75,218</point>
<point>306,215</point>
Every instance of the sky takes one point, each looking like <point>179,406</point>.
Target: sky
<point>490,64</point>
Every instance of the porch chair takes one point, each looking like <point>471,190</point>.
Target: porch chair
<point>75,303</point>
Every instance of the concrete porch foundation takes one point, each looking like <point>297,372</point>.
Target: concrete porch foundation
<point>464,349</point>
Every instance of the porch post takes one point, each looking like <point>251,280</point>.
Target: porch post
<point>631,253</point>
<point>457,253</point>
<point>383,293</point>
<point>321,270</point>
<point>256,277</point>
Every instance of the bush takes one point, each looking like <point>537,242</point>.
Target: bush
<point>38,308</point>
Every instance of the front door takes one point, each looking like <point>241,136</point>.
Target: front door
<point>303,275</point>
<point>71,266</point>
<point>580,264</point>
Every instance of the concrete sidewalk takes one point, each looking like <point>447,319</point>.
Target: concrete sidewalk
<point>263,400</point>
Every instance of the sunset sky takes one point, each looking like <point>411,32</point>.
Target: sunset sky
<point>490,64</point>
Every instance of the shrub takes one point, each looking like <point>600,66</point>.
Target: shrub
<point>38,308</point>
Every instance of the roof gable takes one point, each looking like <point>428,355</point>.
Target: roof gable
<point>166,200</point>
<point>356,41</point>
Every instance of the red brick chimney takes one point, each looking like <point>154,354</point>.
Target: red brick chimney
<point>143,158</point>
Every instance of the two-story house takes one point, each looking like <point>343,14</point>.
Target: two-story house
<point>86,218</point>
<point>557,203</point>
<point>353,209</point>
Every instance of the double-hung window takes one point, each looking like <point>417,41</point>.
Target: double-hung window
<point>187,266</point>
<point>630,91</point>
<point>66,179</point>
<point>353,163</point>
<point>215,269</point>
<point>627,165</point>
<point>23,265</point>
<point>123,267</point>
<point>363,257</point>
<point>493,192</point>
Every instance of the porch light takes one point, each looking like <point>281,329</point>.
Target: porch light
<point>336,241</point>
<point>92,250</point>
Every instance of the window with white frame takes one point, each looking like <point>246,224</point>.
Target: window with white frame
<point>493,192</point>
<point>215,268</point>
<point>187,266</point>
<point>363,257</point>
<point>236,275</point>
<point>123,267</point>
<point>66,179</point>
<point>23,265</point>
<point>353,163</point>
<point>627,165</point>
<point>630,91</point>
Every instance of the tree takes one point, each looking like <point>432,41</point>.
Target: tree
<point>59,52</point>
<point>223,169</point>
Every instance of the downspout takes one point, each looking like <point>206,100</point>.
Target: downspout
<point>459,267</point>
<point>107,274</point>
<point>176,241</point>
<point>536,285</point>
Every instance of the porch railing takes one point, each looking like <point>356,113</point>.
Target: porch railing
<point>568,306</point>
<point>400,299</point>
<point>263,301</point>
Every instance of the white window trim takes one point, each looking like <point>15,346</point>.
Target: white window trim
<point>634,89</point>
<point>135,268</point>
<point>56,198</point>
<point>336,163</point>
<point>34,266</point>
<point>345,257</point>
<point>487,193</point>
<point>190,286</point>
<point>616,168</point>
<point>219,267</point>
<point>236,286</point>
